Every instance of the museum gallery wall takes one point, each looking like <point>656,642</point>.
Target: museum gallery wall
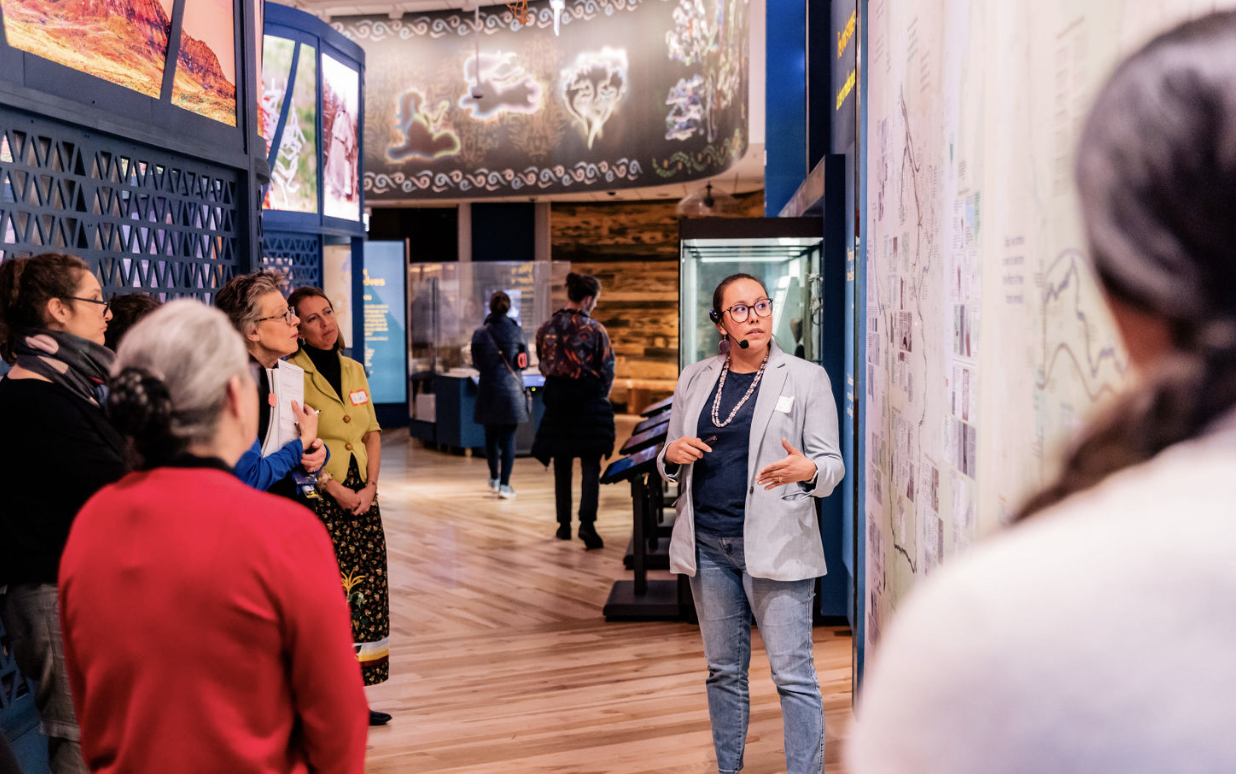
<point>593,94</point>
<point>988,344</point>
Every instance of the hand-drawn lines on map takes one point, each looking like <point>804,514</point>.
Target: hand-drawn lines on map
<point>1069,333</point>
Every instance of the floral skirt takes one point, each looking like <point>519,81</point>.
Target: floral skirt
<point>360,549</point>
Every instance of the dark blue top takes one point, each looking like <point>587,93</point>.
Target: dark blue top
<point>719,480</point>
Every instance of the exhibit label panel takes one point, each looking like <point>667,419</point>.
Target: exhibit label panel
<point>386,347</point>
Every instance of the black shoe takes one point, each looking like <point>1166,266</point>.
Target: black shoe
<point>378,718</point>
<point>588,534</point>
<point>564,532</point>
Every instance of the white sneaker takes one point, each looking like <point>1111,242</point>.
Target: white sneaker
<point>493,485</point>
<point>506,493</point>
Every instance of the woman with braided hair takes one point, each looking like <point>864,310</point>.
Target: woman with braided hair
<point>203,626</point>
<point>1096,634</point>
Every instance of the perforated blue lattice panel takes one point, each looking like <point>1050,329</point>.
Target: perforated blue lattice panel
<point>141,217</point>
<point>297,256</point>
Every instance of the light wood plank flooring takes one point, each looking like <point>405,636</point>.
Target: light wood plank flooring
<point>501,660</point>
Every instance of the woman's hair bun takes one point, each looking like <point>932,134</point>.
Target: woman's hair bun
<point>140,407</point>
<point>580,286</point>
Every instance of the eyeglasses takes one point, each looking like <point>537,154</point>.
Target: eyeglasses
<point>287,317</point>
<point>740,312</point>
<point>106,304</point>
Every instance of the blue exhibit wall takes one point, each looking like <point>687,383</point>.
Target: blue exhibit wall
<point>383,348</point>
<point>836,589</point>
<point>785,151</point>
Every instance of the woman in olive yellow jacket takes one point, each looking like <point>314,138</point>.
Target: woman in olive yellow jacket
<point>348,486</point>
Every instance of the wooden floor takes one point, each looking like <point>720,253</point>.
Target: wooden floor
<point>501,660</point>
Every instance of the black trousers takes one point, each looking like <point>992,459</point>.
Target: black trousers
<point>500,451</point>
<point>590,488</point>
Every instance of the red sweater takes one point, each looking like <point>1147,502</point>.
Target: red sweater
<point>206,631</point>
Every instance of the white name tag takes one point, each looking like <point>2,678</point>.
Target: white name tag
<point>785,403</point>
<point>359,398</point>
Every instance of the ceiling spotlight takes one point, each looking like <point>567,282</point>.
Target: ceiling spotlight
<point>705,203</point>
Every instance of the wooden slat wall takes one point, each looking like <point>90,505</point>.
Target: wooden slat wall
<point>633,249</point>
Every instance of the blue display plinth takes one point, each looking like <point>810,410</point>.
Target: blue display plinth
<point>456,400</point>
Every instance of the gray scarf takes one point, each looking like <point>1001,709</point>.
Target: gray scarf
<point>79,365</point>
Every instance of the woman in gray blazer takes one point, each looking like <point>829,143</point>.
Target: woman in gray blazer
<point>752,441</point>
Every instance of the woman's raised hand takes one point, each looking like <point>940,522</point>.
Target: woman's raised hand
<point>307,420</point>
<point>686,450</point>
<point>791,469</point>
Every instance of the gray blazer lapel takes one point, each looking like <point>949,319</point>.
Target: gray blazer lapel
<point>698,396</point>
<point>771,384</point>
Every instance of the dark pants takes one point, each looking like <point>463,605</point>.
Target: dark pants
<point>500,447</point>
<point>8,764</point>
<point>590,488</point>
<point>32,619</point>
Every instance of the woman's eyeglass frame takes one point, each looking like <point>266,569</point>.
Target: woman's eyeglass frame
<point>104,302</point>
<point>747,310</point>
<point>287,317</point>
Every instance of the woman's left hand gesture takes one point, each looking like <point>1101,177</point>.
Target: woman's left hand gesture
<point>366,495</point>
<point>794,468</point>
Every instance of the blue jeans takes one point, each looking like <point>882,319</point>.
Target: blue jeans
<point>725,599</point>
<point>500,448</point>
<point>32,619</point>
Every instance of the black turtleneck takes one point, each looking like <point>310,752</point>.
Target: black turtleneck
<point>264,396</point>
<point>329,365</point>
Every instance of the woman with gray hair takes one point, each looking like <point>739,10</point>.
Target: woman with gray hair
<point>256,308</point>
<point>216,640</point>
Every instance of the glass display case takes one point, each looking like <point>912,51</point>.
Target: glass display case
<point>788,264</point>
<point>448,301</point>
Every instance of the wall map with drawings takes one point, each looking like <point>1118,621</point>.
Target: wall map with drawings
<point>602,105</point>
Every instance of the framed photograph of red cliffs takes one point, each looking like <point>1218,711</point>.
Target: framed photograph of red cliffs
<point>206,67</point>
<point>121,41</point>
<point>126,42</point>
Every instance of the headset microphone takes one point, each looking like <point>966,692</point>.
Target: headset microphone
<point>716,318</point>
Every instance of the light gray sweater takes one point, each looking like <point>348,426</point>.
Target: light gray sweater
<point>1097,637</point>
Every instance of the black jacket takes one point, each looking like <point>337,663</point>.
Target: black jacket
<point>500,399</point>
<point>578,420</point>
<point>57,450</point>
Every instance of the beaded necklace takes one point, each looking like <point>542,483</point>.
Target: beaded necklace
<point>716,403</point>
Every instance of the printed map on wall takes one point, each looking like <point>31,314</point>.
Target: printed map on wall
<point>987,341</point>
